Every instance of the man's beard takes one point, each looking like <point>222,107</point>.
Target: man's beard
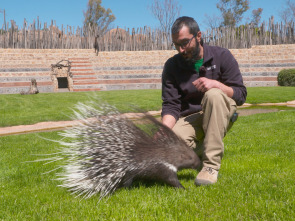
<point>195,55</point>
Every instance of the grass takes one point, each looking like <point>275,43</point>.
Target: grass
<point>258,95</point>
<point>18,109</point>
<point>256,178</point>
<point>256,181</point>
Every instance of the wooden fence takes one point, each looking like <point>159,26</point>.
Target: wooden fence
<point>246,36</point>
<point>142,39</point>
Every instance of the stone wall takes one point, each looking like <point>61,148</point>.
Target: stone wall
<point>125,70</point>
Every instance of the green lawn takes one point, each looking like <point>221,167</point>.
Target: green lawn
<point>256,178</point>
<point>18,109</point>
<point>29,109</point>
<point>258,95</point>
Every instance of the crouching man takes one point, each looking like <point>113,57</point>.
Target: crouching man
<point>201,88</point>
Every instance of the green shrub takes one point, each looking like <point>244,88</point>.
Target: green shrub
<point>286,77</point>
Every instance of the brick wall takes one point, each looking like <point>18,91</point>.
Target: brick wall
<point>126,70</point>
<point>260,65</point>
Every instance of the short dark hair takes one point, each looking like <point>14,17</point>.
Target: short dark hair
<point>185,21</point>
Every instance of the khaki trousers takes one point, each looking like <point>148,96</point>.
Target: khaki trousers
<point>204,131</point>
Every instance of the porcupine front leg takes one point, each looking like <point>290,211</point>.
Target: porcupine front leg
<point>170,177</point>
<point>161,172</point>
<point>166,173</point>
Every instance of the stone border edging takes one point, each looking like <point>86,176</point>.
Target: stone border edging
<point>288,103</point>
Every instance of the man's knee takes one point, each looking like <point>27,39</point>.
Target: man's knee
<point>213,95</point>
<point>218,105</point>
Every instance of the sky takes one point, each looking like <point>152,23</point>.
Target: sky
<point>129,13</point>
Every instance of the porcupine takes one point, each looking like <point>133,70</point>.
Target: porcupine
<point>108,151</point>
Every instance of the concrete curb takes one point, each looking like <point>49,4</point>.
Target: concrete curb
<point>288,103</point>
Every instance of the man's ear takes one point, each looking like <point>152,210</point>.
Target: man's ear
<point>199,36</point>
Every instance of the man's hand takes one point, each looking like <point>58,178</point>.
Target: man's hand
<point>204,84</point>
<point>169,121</point>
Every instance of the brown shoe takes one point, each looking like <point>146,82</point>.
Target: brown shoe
<point>206,176</point>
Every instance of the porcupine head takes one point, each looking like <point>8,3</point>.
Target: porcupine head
<point>110,151</point>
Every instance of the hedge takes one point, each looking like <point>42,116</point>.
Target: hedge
<point>286,77</point>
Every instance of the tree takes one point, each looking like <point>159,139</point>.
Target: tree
<point>166,12</point>
<point>212,21</point>
<point>288,13</point>
<point>4,21</point>
<point>232,11</point>
<point>97,17</point>
<point>256,16</point>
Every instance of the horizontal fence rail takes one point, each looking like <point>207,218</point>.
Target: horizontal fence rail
<point>34,36</point>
